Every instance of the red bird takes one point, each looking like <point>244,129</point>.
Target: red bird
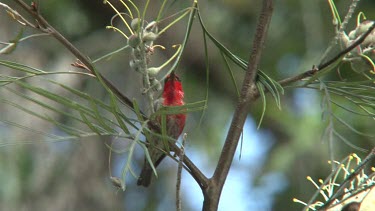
<point>173,95</point>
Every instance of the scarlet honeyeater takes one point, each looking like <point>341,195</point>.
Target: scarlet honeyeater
<point>173,95</point>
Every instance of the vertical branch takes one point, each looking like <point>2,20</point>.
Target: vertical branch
<point>249,94</point>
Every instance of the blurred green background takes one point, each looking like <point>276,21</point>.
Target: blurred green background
<point>275,159</point>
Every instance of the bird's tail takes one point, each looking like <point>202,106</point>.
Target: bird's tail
<point>145,177</point>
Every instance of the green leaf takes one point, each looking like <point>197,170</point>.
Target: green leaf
<point>207,64</point>
<point>21,67</point>
<point>116,111</point>
<point>351,127</point>
<point>100,119</point>
<point>89,124</point>
<point>187,108</point>
<point>347,142</point>
<point>230,73</point>
<point>187,34</point>
<point>272,86</point>
<point>263,98</point>
<point>26,128</point>
<point>148,158</point>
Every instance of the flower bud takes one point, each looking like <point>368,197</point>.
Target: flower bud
<point>363,27</point>
<point>117,182</point>
<point>149,36</point>
<point>153,71</point>
<point>361,64</point>
<point>360,29</point>
<point>135,64</point>
<point>136,53</point>
<point>155,84</point>
<point>352,34</point>
<point>134,41</point>
<point>345,40</point>
<point>370,40</point>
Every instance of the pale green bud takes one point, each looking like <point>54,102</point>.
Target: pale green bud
<point>149,36</point>
<point>156,85</point>
<point>134,41</point>
<point>153,71</point>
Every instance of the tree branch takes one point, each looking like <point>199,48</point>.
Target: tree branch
<point>193,169</point>
<point>249,94</point>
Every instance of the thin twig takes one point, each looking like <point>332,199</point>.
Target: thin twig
<point>298,77</point>
<point>179,171</point>
<point>193,169</point>
<point>16,16</point>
